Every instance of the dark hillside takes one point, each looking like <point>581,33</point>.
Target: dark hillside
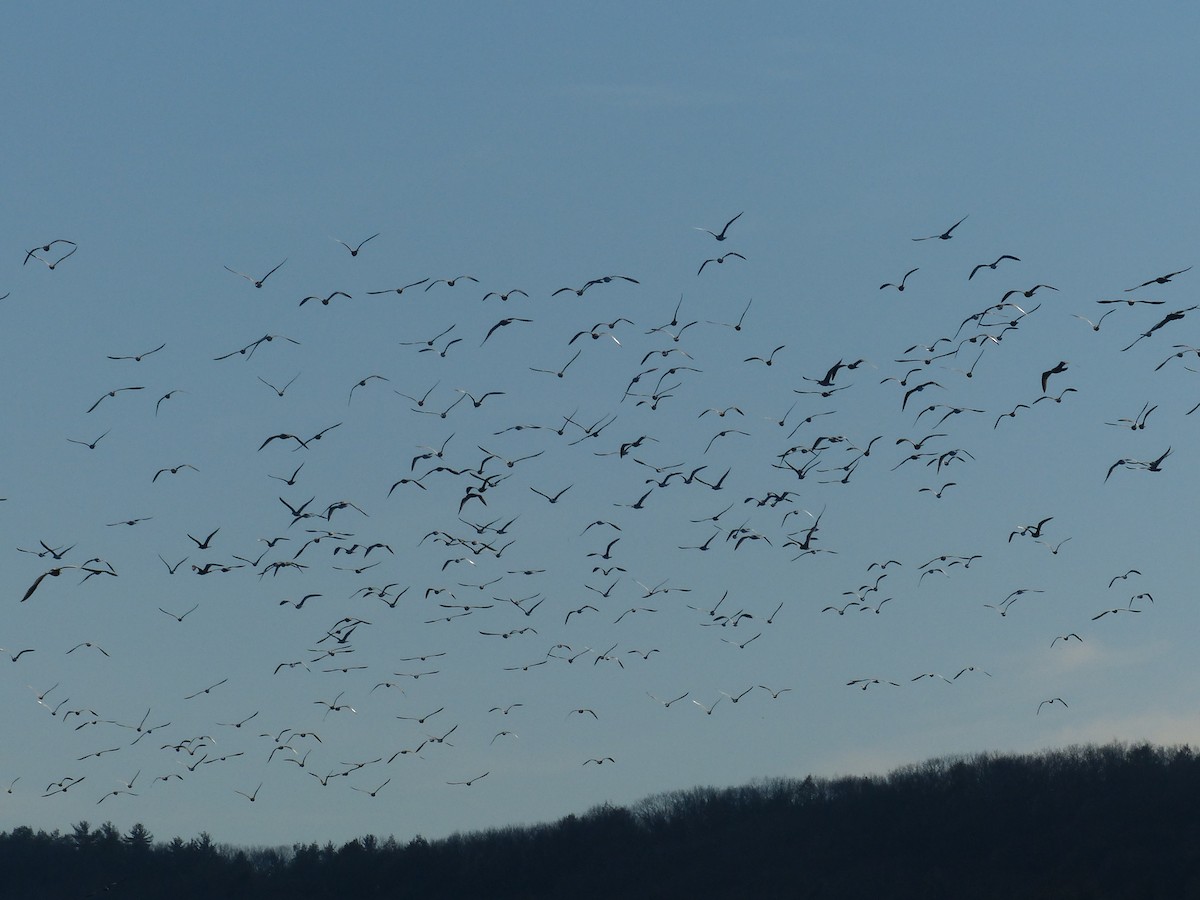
<point>1086,822</point>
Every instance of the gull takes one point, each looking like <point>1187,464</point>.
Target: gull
<point>354,250</point>
<point>54,573</point>
<point>1057,369</point>
<point>400,290</point>
<point>139,357</point>
<point>167,396</point>
<point>1051,701</point>
<point>89,645</point>
<point>1034,531</point>
<point>504,297</point>
<point>502,324</point>
<point>931,675</point>
<point>325,300</point>
<point>867,682</point>
<point>173,470</point>
<point>768,361</point>
<point>992,265</point>
<point>250,797</point>
<point>734,698</point>
<point>1054,548</point>
<point>971,669</point>
<point>736,326</point>
<point>1161,279</point>
<point>720,236</point>
<point>257,282</point>
<point>50,265</point>
<point>205,690</point>
<point>1167,319</point>
<point>1117,578</point>
<point>91,446</point>
<point>1066,638</point>
<point>945,235</point>
<point>363,383</point>
<point>900,286</point>
<point>203,545</point>
<point>938,492</point>
<point>45,248</point>
<point>469,781</point>
<point>179,618</point>
<point>1132,302</point>
<point>1095,325</point>
<point>719,260</point>
<point>370,793</point>
<point>708,710</point>
<point>450,282</point>
<point>114,393</point>
<point>561,372</point>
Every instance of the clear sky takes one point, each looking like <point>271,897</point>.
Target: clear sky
<point>535,147</point>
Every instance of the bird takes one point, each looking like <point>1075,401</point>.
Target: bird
<point>204,544</point>
<point>167,396</point>
<point>1095,325</point>
<point>503,323</point>
<point>114,393</point>
<point>992,265</point>
<point>173,470</point>
<point>1058,368</point>
<point>179,617</point>
<point>257,282</point>
<point>139,357</point>
<point>90,446</point>
<point>400,290</point>
<point>450,282</point>
<point>719,260</point>
<point>900,286</point>
<point>1066,638</point>
<point>469,781</point>
<point>945,235</point>
<point>1161,279</point>
<point>325,300</point>
<point>720,236</point>
<point>354,250</point>
<point>1051,702</point>
<point>45,248</point>
<point>504,296</point>
<point>250,797</point>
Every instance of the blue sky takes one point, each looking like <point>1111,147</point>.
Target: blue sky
<point>536,147</point>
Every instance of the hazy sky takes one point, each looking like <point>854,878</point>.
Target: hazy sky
<point>542,146</point>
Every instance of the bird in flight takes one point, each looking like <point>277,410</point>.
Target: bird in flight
<point>720,236</point>
<point>354,250</point>
<point>900,286</point>
<point>257,282</point>
<point>719,260</point>
<point>945,235</point>
<point>139,357</point>
<point>992,265</point>
<point>1161,279</point>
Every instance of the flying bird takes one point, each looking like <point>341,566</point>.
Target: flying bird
<point>257,282</point>
<point>991,265</point>
<point>719,260</point>
<point>354,250</point>
<point>1161,279</point>
<point>945,235</point>
<point>720,236</point>
<point>900,286</point>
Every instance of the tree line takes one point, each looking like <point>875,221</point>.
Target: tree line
<point>1082,822</point>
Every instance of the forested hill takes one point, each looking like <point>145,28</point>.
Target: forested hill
<point>1085,822</point>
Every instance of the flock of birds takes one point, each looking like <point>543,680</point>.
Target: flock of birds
<point>518,525</point>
